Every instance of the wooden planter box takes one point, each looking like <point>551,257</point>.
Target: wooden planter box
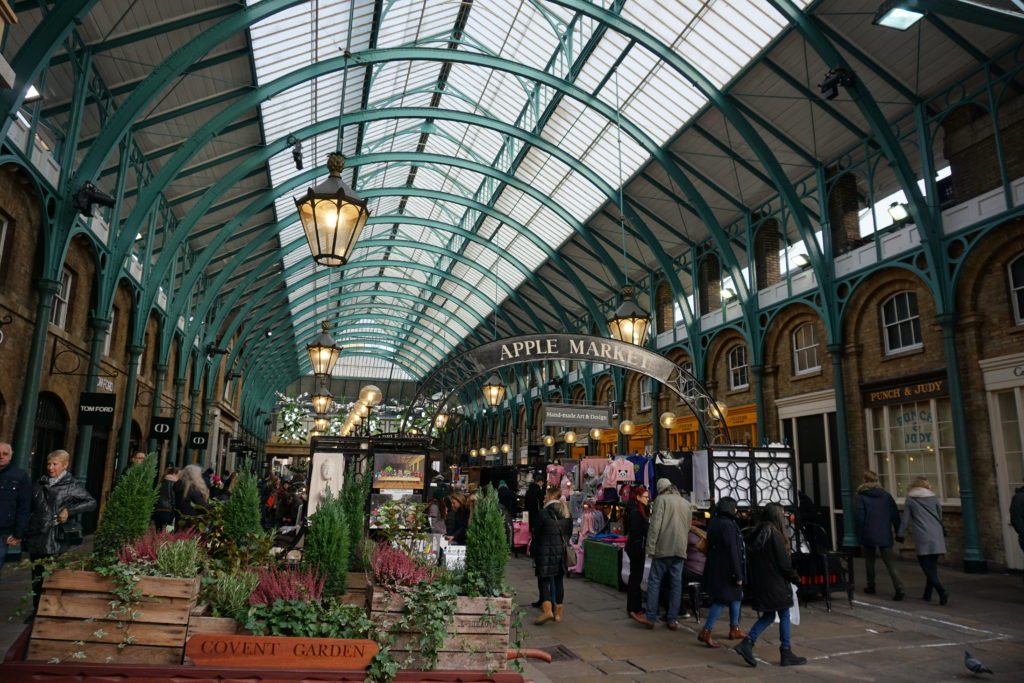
<point>357,589</point>
<point>215,625</point>
<point>75,606</point>
<point>477,637</point>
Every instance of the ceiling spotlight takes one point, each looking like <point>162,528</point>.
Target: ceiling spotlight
<point>801,260</point>
<point>296,146</point>
<point>89,195</point>
<point>894,14</point>
<point>839,76</point>
<point>32,95</point>
<point>728,294</point>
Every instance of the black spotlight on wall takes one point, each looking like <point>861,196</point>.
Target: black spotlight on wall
<point>839,76</point>
<point>212,350</point>
<point>89,195</point>
<point>296,146</point>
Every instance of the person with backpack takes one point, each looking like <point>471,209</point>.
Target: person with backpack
<point>770,573</point>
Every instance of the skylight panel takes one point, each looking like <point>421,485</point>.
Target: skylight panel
<point>406,21</point>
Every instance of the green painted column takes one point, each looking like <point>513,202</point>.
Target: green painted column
<point>193,406</point>
<point>845,470</point>
<point>206,460</point>
<point>158,390</point>
<point>100,326</point>
<point>656,428</point>
<point>758,372</point>
<point>128,408</point>
<point>173,456</point>
<point>974,560</point>
<point>25,423</point>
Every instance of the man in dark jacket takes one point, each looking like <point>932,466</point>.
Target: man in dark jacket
<point>876,516</point>
<point>506,498</point>
<point>534,499</point>
<point>15,502</point>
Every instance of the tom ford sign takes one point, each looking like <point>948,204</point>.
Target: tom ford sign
<point>96,409</point>
<point>540,347</point>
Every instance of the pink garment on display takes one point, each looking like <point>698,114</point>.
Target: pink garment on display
<point>624,470</point>
<point>555,473</point>
<point>566,487</point>
<point>610,477</point>
<point>596,464</point>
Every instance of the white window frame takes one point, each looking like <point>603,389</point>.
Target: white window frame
<point>4,222</point>
<point>645,394</point>
<point>805,358</point>
<point>910,324</point>
<point>739,369</point>
<point>1016,289</point>
<point>62,300</point>
<point>883,453</point>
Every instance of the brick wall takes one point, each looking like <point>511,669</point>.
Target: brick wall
<point>970,146</point>
<point>709,275</point>
<point>843,205</point>
<point>766,253</point>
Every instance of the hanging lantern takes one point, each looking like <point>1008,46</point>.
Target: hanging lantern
<point>629,323</point>
<point>494,391</point>
<point>323,352</point>
<point>472,453</point>
<point>627,427</point>
<point>595,434</point>
<point>505,448</point>
<point>370,395</point>
<point>549,440</point>
<point>440,420</point>
<point>494,450</point>
<point>322,400</point>
<point>321,423</point>
<point>569,437</point>
<point>332,216</point>
<point>667,419</point>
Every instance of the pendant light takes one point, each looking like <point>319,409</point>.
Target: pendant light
<point>322,400</point>
<point>323,352</point>
<point>494,391</point>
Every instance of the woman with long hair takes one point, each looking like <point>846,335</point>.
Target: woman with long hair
<point>637,523</point>
<point>724,571</point>
<point>436,513</point>
<point>457,520</point>
<point>549,540</point>
<point>163,514</point>
<point>923,513</point>
<point>770,574</point>
<point>192,494</point>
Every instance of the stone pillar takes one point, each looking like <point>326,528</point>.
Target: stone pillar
<point>843,205</point>
<point>766,254</point>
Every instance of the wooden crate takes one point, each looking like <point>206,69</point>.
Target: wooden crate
<point>357,590</point>
<point>75,607</point>
<point>215,625</point>
<point>477,637</point>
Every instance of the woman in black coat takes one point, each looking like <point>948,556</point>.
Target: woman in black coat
<point>636,528</point>
<point>550,536</point>
<point>724,571</point>
<point>456,523</point>
<point>770,574</point>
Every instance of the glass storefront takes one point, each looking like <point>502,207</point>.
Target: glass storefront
<point>915,439</point>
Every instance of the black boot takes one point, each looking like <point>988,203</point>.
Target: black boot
<point>746,650</point>
<point>790,659</point>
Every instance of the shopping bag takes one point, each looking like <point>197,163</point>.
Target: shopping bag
<point>794,611</point>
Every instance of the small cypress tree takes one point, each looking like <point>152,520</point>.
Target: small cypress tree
<point>128,510</point>
<point>327,543</point>
<point>242,510</point>
<point>487,545</point>
<point>354,493</point>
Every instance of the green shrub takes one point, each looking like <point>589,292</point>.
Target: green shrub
<point>354,494</point>
<point>486,546</point>
<point>228,592</point>
<point>183,558</point>
<point>242,510</point>
<point>128,511</point>
<point>327,543</point>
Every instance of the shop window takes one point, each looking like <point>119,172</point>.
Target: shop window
<point>805,350</point>
<point>910,440</point>
<point>901,323</point>
<point>738,368</point>
<point>645,393</point>
<point>61,301</point>
<point>1016,288</point>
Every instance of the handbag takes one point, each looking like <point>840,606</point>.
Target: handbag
<point>570,555</point>
<point>936,518</point>
<point>702,540</point>
<point>70,533</point>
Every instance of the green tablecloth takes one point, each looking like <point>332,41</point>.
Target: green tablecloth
<point>602,562</point>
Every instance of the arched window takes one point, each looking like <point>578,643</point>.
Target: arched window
<point>901,323</point>
<point>805,350</point>
<point>738,369</point>
<point>1017,289</point>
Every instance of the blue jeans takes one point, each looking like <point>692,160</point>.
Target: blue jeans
<point>766,620</point>
<point>716,609</point>
<point>670,569</point>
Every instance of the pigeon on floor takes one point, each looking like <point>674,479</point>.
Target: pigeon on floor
<point>974,666</point>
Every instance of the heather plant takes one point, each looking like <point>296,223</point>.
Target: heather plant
<point>241,519</point>
<point>286,584</point>
<point>486,546</point>
<point>183,558</point>
<point>354,493</point>
<point>393,567</point>
<point>144,550</point>
<point>327,543</point>
<point>127,513</point>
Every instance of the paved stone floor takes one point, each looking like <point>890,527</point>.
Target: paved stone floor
<point>876,640</point>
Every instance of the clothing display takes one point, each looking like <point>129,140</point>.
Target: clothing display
<point>677,467</point>
<point>555,474</point>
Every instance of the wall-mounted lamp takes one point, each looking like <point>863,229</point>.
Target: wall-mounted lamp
<point>89,195</point>
<point>892,14</point>
<point>212,350</point>
<point>801,260</point>
<point>898,212</point>
<point>728,294</point>
<point>234,374</point>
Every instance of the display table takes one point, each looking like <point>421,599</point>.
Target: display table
<point>602,562</point>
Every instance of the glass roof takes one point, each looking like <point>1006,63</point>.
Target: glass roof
<point>424,270</point>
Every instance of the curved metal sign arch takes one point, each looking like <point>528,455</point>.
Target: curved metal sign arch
<point>448,378</point>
